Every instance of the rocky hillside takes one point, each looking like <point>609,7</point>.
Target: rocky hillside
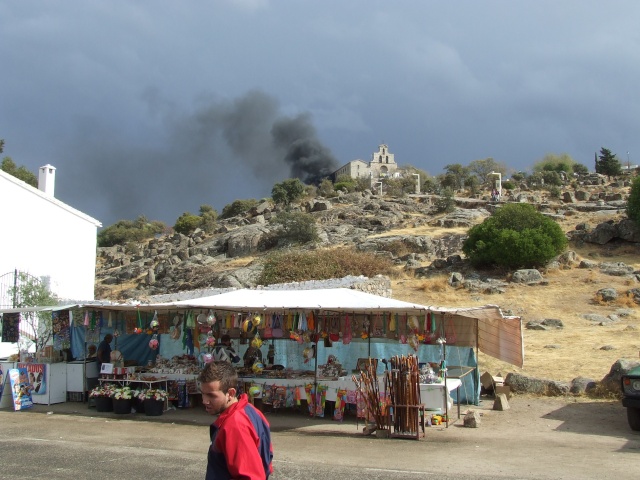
<point>409,230</point>
<point>581,312</point>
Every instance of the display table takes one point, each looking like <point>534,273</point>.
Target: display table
<point>132,382</point>
<point>432,395</point>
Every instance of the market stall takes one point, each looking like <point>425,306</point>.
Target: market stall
<point>312,339</point>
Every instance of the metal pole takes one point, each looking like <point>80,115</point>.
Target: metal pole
<point>15,288</point>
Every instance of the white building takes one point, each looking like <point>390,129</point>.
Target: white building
<point>382,164</point>
<point>46,238</point>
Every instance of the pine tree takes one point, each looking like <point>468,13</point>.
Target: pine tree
<point>608,164</point>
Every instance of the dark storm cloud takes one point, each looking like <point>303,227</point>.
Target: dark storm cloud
<point>439,82</point>
<point>242,146</point>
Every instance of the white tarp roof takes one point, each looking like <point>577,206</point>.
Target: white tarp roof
<point>331,299</point>
<point>494,334</point>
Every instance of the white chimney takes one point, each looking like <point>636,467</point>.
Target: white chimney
<point>47,179</point>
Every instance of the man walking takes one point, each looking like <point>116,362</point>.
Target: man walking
<point>240,437</point>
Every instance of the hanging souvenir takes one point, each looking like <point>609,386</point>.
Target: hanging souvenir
<point>154,321</point>
<point>201,318</point>
<point>176,330</point>
<point>211,340</point>
<point>190,322</point>
<point>256,342</point>
<point>109,322</point>
<point>413,341</point>
<point>308,354</point>
<point>211,318</point>
<point>346,335</point>
<point>257,368</point>
<point>276,330</point>
<point>153,343</point>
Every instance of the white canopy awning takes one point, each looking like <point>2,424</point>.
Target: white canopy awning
<point>494,334</point>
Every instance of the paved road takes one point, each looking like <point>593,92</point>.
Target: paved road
<point>578,441</point>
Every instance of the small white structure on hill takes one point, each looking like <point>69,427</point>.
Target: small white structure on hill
<point>382,164</point>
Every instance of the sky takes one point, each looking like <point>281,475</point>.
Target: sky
<point>157,107</point>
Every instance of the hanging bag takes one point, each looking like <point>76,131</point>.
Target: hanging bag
<point>268,329</point>
<point>347,335</point>
<point>276,328</point>
<point>450,330</point>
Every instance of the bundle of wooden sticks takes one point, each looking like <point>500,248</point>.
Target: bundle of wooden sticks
<point>403,384</point>
<point>367,385</point>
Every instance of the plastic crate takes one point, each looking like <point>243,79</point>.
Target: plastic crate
<point>75,397</point>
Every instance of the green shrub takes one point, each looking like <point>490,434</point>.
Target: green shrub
<point>508,185</point>
<point>554,191</point>
<point>633,204</point>
<point>295,228</point>
<point>288,191</point>
<point>187,223</point>
<point>124,231</point>
<point>446,202</point>
<point>299,266</point>
<point>348,186</point>
<point>208,216</point>
<point>326,189</point>
<point>238,207</point>
<point>516,236</point>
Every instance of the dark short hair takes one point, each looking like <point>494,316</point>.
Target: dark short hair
<point>222,372</point>
<point>225,338</point>
<point>108,337</point>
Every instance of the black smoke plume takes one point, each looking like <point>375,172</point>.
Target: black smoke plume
<point>220,152</point>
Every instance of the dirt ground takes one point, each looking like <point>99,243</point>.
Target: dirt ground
<point>582,348</point>
<point>537,438</point>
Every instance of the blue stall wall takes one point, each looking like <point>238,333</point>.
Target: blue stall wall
<point>289,354</point>
<point>132,347</point>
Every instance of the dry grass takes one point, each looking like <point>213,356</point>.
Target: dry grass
<point>560,354</point>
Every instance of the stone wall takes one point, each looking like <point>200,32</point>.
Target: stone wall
<point>379,285</point>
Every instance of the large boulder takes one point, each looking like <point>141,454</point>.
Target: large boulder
<point>611,381</point>
<point>528,276</point>
<point>524,384</point>
<point>629,230</point>
<point>602,234</point>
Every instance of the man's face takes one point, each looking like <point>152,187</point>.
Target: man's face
<point>215,401</point>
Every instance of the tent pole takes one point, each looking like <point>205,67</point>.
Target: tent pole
<point>315,368</point>
<point>369,340</point>
<point>476,379</point>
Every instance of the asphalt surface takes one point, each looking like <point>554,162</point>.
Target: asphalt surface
<point>535,439</point>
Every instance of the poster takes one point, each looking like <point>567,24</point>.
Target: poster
<point>20,388</point>
<point>37,377</point>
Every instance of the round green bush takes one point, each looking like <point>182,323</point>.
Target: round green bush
<point>633,204</point>
<point>515,236</point>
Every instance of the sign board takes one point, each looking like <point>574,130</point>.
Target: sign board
<point>20,388</point>
<point>37,377</point>
<point>1,383</point>
<point>106,368</point>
